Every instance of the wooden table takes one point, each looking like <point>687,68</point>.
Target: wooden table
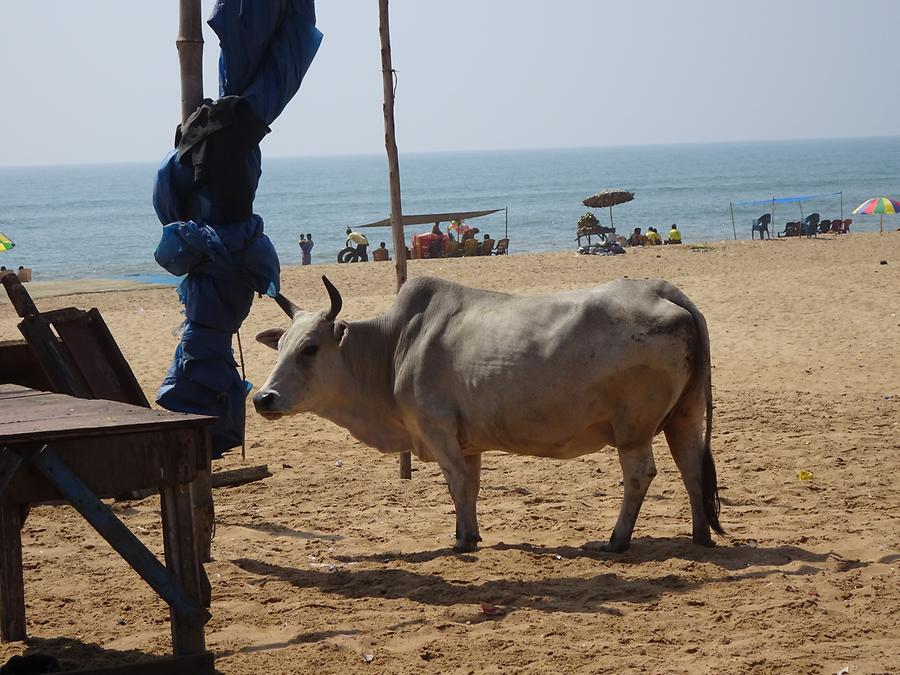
<point>56,447</point>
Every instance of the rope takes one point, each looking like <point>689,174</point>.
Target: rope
<point>244,378</point>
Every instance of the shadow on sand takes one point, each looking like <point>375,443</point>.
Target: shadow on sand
<point>572,594</point>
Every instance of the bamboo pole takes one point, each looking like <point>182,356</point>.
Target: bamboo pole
<point>190,56</point>
<point>733,229</point>
<point>189,44</point>
<point>390,144</point>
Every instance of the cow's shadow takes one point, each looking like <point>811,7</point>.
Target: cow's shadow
<point>643,550</point>
<point>571,594</point>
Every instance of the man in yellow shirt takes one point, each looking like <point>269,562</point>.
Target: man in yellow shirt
<point>674,235</point>
<point>653,237</point>
<point>361,244</point>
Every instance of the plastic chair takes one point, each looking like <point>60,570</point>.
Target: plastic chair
<point>502,247</point>
<point>761,225</point>
<point>470,248</point>
<point>487,247</point>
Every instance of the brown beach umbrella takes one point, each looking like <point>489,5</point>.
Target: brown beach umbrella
<point>608,199</point>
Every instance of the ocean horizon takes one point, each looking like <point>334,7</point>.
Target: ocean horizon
<point>97,221</point>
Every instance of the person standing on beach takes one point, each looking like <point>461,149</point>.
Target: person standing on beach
<point>306,246</point>
<point>362,243</point>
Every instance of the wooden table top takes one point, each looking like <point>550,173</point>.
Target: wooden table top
<point>29,415</point>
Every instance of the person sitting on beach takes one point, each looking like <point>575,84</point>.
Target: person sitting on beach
<point>381,253</point>
<point>361,244</point>
<point>436,244</point>
<point>653,238</point>
<point>636,238</point>
<point>453,249</point>
<point>487,246</point>
<point>674,235</point>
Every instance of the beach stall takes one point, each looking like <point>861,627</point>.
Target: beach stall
<point>420,245</point>
<point>588,224</point>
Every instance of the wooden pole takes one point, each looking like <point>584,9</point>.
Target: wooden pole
<point>189,44</point>
<point>390,144</point>
<point>733,229</point>
<point>190,56</point>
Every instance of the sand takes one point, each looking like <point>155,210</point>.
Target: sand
<point>334,558</point>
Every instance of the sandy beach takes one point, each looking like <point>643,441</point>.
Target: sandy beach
<point>334,559</point>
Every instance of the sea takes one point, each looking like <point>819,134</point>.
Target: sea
<point>97,221</point>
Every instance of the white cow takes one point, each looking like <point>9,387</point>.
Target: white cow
<point>450,372</point>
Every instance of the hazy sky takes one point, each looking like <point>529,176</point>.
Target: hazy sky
<point>97,81</point>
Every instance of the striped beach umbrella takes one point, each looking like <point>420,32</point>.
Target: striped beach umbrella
<point>6,243</point>
<point>879,205</point>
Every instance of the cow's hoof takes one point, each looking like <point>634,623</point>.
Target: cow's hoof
<point>466,545</point>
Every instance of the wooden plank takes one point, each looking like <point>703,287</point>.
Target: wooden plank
<point>123,540</point>
<point>9,464</point>
<point>183,562</point>
<point>131,388</point>
<point>220,479</point>
<point>18,296</point>
<point>15,390</point>
<point>18,365</point>
<point>204,513</point>
<point>25,418</point>
<point>112,464</point>
<point>195,664</point>
<point>241,476</point>
<point>89,358</point>
<point>53,361</point>
<point>12,585</point>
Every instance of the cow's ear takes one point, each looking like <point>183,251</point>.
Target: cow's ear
<point>270,337</point>
<point>340,332</point>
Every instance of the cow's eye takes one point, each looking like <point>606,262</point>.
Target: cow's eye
<point>309,350</point>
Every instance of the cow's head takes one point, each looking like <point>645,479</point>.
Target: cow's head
<point>308,358</point>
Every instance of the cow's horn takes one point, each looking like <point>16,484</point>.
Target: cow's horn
<point>289,307</point>
<point>336,302</point>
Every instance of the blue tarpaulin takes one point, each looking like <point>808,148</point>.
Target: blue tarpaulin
<point>787,200</point>
<point>219,244</point>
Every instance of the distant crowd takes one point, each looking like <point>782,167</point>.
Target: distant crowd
<point>653,238</point>
<point>433,244</point>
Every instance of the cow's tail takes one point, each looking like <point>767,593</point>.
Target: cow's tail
<point>703,377</point>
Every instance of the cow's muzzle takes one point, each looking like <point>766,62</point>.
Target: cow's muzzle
<point>265,403</point>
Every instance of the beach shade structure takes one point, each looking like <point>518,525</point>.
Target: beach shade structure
<point>5,243</point>
<point>880,206</point>
<point>608,199</point>
<point>204,195</point>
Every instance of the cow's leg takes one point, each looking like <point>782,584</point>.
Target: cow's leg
<point>638,470</point>
<point>463,476</point>
<point>685,439</point>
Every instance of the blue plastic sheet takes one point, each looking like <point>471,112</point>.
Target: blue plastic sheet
<point>267,47</point>
<point>787,200</point>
